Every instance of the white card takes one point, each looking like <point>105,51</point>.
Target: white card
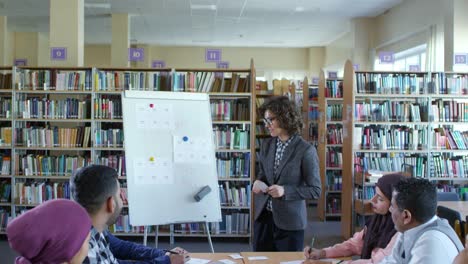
<point>236,256</point>
<point>258,258</point>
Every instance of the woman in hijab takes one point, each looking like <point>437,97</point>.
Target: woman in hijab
<point>377,238</point>
<point>56,231</point>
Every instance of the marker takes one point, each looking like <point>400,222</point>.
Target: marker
<point>185,138</point>
<point>151,105</point>
<point>151,159</point>
<point>340,261</point>
<point>311,244</point>
<point>171,252</point>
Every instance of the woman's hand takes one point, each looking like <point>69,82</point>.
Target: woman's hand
<point>259,187</point>
<point>313,253</point>
<point>276,191</point>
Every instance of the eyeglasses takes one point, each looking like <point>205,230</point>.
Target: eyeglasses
<point>269,121</point>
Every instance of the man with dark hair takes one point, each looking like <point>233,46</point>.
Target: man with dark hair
<point>97,189</point>
<point>424,237</point>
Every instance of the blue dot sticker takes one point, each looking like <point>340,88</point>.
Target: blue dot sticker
<point>185,138</point>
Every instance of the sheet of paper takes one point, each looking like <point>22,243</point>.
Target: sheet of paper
<point>227,261</point>
<point>260,185</point>
<point>236,256</point>
<point>258,258</point>
<point>197,261</point>
<point>153,170</point>
<point>155,116</point>
<point>293,262</point>
<point>188,149</point>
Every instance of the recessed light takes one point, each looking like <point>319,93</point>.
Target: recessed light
<point>203,7</point>
<point>299,9</point>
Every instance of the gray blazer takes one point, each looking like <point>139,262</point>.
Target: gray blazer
<point>298,173</point>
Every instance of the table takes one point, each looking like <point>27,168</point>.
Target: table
<point>273,257</point>
<point>215,256</point>
<point>460,206</point>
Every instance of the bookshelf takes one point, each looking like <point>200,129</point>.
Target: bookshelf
<point>6,147</point>
<point>64,118</point>
<point>394,119</point>
<point>330,144</point>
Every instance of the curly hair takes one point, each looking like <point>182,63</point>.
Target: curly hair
<point>286,113</point>
<point>419,196</point>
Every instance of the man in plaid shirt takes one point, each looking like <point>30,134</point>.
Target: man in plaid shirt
<point>97,189</point>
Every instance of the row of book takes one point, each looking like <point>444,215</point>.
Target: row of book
<point>394,137</point>
<point>5,164</point>
<point>35,107</point>
<point>122,80</point>
<point>449,167</point>
<point>261,130</point>
<point>36,192</point>
<point>108,107</point>
<point>231,137</point>
<point>365,192</point>
<point>237,195</point>
<point>389,111</point>
<point>334,204</point>
<point>334,89</point>
<point>449,111</point>
<point>5,136</point>
<point>313,133</point>
<point>391,162</point>
<point>5,80</point>
<point>335,112</point>
<point>233,165</point>
<point>43,165</point>
<point>5,191</point>
<point>5,107</point>
<point>117,162</point>
<point>444,138</point>
<point>334,157</point>
<point>230,110</point>
<point>5,218</point>
<point>392,83</point>
<point>57,137</point>
<point>112,137</point>
<point>53,80</point>
<point>334,180</point>
<point>214,82</point>
<point>314,113</point>
<point>334,134</point>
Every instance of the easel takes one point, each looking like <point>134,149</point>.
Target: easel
<point>171,236</point>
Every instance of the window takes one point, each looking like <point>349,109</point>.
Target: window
<point>405,60</point>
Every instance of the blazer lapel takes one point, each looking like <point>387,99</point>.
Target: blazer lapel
<point>270,162</point>
<point>286,156</point>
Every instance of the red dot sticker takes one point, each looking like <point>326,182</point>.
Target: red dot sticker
<point>151,105</point>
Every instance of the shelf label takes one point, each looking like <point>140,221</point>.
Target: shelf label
<point>386,57</point>
<point>315,80</point>
<point>212,55</point>
<point>414,68</point>
<point>158,64</point>
<point>21,62</point>
<point>332,74</point>
<point>221,65</point>
<point>136,54</point>
<point>58,53</point>
<point>460,58</point>
<point>356,67</point>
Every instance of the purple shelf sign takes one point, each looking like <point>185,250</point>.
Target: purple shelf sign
<point>356,67</point>
<point>58,53</point>
<point>386,57</point>
<point>460,58</point>
<point>414,68</point>
<point>136,54</point>
<point>332,74</point>
<point>212,55</point>
<point>221,65</point>
<point>21,62</point>
<point>315,80</point>
<point>158,64</point>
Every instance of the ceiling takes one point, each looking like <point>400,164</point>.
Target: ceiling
<point>245,23</point>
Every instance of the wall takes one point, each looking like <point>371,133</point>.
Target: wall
<point>338,51</point>
<point>26,47</point>
<point>97,55</point>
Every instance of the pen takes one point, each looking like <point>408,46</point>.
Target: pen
<point>171,252</point>
<point>311,244</point>
<point>339,261</point>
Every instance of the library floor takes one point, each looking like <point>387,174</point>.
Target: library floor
<point>325,233</point>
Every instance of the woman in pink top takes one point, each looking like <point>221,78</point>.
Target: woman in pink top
<point>376,240</point>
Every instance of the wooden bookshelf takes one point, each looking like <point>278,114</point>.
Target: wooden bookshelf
<point>101,89</point>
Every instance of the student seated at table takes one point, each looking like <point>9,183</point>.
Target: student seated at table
<point>377,238</point>
<point>56,231</point>
<point>423,237</point>
<point>97,189</point>
<point>462,257</point>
